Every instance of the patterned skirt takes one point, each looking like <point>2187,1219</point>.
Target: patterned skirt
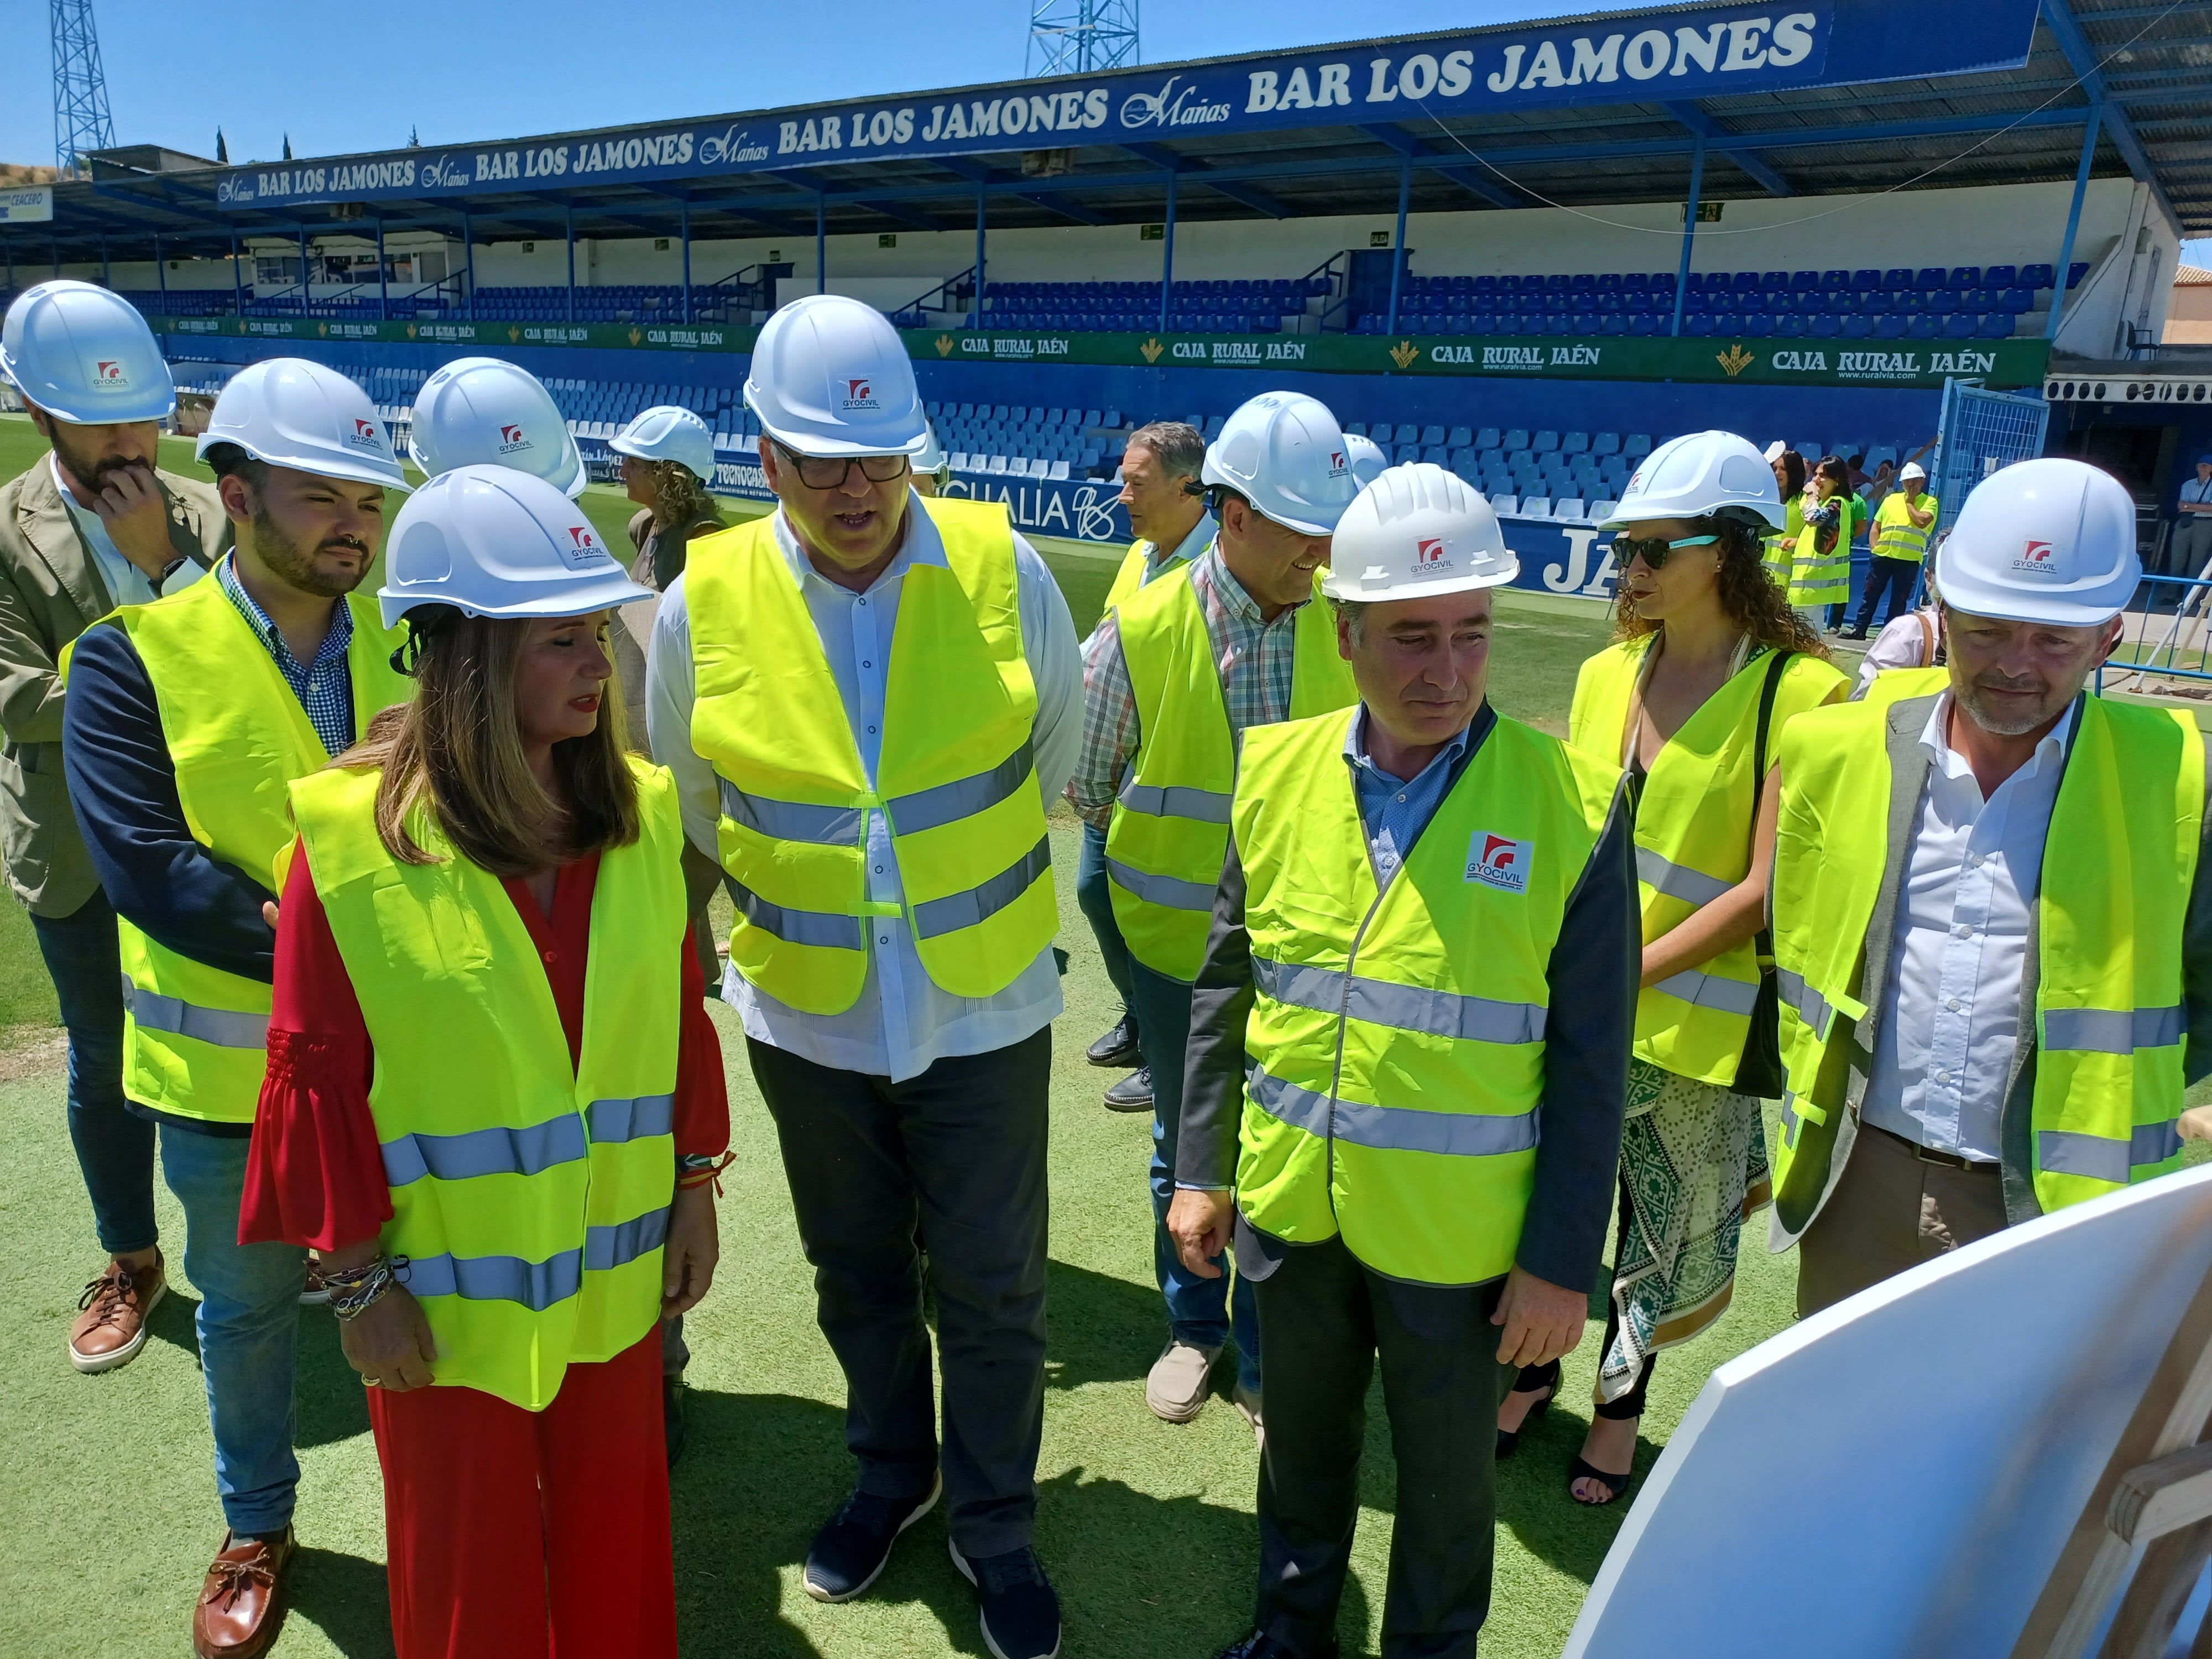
<point>1694,1165</point>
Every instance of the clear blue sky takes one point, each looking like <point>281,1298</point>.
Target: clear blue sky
<point>349,78</point>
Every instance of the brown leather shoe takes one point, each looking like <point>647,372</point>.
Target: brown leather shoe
<point>241,1604</point>
<point>110,1321</point>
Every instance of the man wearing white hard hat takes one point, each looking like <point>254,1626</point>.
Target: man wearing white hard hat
<point>933,467</point>
<point>868,699</point>
<point>1991,922</point>
<point>1174,677</point>
<point>1423,944</point>
<point>1902,522</point>
<point>486,412</point>
<point>93,524</point>
<point>185,723</point>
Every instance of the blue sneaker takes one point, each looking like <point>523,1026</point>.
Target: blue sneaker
<point>1021,1615</point>
<point>850,1552</point>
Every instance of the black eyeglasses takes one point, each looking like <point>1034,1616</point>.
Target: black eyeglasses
<point>1654,550</point>
<point>828,472</point>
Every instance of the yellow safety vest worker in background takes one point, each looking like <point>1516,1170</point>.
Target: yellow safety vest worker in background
<point>1395,1048</point>
<point>1895,535</point>
<point>529,1198</point>
<point>195,1038</point>
<point>1825,579</point>
<point>2108,925</point>
<point>1169,835</point>
<point>1782,545</point>
<point>1131,576</point>
<point>1693,827</point>
<point>956,781</point>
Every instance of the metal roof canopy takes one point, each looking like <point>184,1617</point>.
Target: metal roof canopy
<point>2143,73</point>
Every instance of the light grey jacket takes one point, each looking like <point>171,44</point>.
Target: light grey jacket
<point>51,591</point>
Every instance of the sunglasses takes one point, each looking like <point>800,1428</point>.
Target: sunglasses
<point>828,472</point>
<point>1654,550</point>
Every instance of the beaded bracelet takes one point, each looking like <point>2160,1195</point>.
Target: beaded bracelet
<point>367,1286</point>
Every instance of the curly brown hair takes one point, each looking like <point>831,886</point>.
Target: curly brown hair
<point>680,499</point>
<point>1753,600</point>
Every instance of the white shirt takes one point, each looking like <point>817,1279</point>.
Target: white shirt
<point>126,583</point>
<point>904,1021</point>
<point>1902,643</point>
<point>1952,1021</point>
<point>2196,489</point>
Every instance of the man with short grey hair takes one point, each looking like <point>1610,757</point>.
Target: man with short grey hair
<point>1167,509</point>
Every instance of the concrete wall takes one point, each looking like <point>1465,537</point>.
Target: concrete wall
<point>2020,224</point>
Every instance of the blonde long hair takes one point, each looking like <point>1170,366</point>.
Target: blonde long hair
<point>454,752</point>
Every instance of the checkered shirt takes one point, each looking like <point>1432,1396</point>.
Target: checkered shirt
<point>1253,657</point>
<point>323,686</point>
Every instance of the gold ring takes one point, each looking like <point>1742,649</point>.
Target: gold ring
<point>369,1382</point>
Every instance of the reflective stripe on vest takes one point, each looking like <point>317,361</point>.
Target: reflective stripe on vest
<point>1693,831</point>
<point>2108,923</point>
<point>152,1011</point>
<point>957,784</point>
<point>530,1196</point>
<point>536,1285</point>
<point>1392,1128</point>
<point>196,1037</point>
<point>1169,830</point>
<point>1395,1047</point>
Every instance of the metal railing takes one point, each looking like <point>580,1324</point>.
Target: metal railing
<point>2167,636</point>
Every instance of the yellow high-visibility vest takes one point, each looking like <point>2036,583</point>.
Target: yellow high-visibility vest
<point>1895,535</point>
<point>956,781</point>
<point>1782,544</point>
<point>1817,577</point>
<point>195,1037</point>
<point>1396,1046</point>
<point>1130,577</point>
<point>1169,832</point>
<point>1693,828</point>
<point>2123,841</point>
<point>530,1198</point>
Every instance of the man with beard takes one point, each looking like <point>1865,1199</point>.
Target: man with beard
<point>92,524</point>
<point>1992,931</point>
<point>185,723</point>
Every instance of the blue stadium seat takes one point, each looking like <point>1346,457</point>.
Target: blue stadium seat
<point>1547,443</point>
<point>1960,325</point>
<point>1857,327</point>
<point>1756,322</point>
<point>1824,327</point>
<point>1926,325</point>
<point>1432,436</point>
<point>2037,277</point>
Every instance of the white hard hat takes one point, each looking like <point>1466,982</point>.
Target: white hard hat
<point>84,353</point>
<point>493,542</point>
<point>1415,532</point>
<point>2049,540</point>
<point>288,412</point>
<point>666,433</point>
<point>931,457</point>
<point>1776,451</point>
<point>1368,460</point>
<point>1284,452</point>
<point>1911,469</point>
<point>486,412</point>
<point>830,377</point>
<point>1701,475</point>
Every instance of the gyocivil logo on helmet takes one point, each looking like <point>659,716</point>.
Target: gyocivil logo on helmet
<point>859,394</point>
<point>511,439</point>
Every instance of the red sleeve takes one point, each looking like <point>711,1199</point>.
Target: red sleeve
<point>314,1174</point>
<point>702,1095</point>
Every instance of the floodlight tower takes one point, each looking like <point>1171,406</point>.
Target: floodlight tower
<point>81,122</point>
<point>1075,37</point>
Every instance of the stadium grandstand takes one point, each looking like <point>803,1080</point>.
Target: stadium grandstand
<point>1525,251</point>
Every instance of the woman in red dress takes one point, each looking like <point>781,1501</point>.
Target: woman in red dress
<point>487,1107</point>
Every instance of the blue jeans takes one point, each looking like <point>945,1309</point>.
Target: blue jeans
<point>248,1325</point>
<point>1094,898</point>
<point>114,1146</point>
<point>1208,1313</point>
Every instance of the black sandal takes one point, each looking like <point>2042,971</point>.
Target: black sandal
<point>1616,1486</point>
<point>1510,1438</point>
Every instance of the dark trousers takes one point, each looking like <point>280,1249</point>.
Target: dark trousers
<point>957,1156</point>
<point>1325,1319</point>
<point>1094,896</point>
<point>1896,576</point>
<point>1207,1313</point>
<point>114,1146</point>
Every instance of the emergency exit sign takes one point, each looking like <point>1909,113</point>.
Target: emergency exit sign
<point>1708,213</point>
